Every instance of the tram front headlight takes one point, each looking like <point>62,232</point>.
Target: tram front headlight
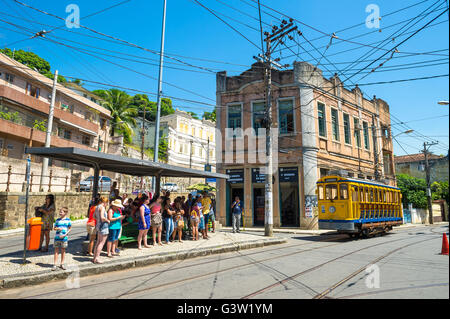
<point>332,209</point>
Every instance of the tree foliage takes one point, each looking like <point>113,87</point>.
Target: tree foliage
<point>413,190</point>
<point>210,116</point>
<point>122,112</point>
<point>194,115</point>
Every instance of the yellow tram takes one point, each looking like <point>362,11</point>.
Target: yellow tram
<point>357,207</point>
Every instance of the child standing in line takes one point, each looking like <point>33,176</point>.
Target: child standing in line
<point>62,226</point>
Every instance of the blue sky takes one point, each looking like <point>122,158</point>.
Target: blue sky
<point>194,37</point>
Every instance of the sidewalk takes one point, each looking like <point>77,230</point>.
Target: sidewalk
<point>14,274</point>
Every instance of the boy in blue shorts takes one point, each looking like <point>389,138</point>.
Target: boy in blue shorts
<point>62,226</point>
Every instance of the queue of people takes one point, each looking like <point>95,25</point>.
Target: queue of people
<point>169,221</point>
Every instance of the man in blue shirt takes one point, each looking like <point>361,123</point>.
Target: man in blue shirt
<point>236,209</point>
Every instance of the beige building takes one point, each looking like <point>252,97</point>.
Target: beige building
<point>322,127</point>
<point>191,143</point>
<point>24,106</point>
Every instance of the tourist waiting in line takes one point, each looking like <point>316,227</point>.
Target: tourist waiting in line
<point>115,218</point>
<point>201,224</point>
<point>90,226</point>
<point>178,220</point>
<point>195,219</point>
<point>124,199</point>
<point>206,205</point>
<point>156,219</point>
<point>112,192</point>
<point>102,228</point>
<point>167,214</point>
<point>46,212</point>
<point>62,227</point>
<point>144,221</point>
<point>236,208</point>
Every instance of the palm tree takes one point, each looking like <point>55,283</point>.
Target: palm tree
<point>123,114</point>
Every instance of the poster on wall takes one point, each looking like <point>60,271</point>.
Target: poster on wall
<point>236,176</point>
<point>310,203</point>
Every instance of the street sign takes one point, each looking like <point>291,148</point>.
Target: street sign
<point>207,167</point>
<point>211,180</point>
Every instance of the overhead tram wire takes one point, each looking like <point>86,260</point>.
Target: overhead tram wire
<point>114,41</point>
<point>313,28</point>
<point>388,40</point>
<point>364,34</point>
<point>398,45</point>
<point>234,29</point>
<point>114,38</point>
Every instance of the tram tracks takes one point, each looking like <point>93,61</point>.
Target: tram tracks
<point>156,273</point>
<point>328,290</point>
<point>233,268</point>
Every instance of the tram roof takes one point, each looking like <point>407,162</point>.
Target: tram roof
<point>118,164</point>
<point>340,179</point>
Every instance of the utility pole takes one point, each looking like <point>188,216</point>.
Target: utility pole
<point>428,179</point>
<point>158,108</point>
<point>48,136</point>
<point>272,41</point>
<point>142,144</point>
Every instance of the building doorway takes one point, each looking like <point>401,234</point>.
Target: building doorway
<point>289,197</point>
<point>258,206</point>
<point>233,191</point>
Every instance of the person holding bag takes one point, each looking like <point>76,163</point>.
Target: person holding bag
<point>102,227</point>
<point>46,212</point>
<point>178,221</point>
<point>156,219</point>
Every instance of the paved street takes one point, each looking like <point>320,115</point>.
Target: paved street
<point>404,264</point>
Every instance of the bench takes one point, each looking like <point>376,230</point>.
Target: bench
<point>130,233</point>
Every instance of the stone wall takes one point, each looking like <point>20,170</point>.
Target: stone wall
<point>12,206</point>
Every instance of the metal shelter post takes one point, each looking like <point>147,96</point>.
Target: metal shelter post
<point>26,211</point>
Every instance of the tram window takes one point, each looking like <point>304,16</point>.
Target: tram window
<point>361,194</point>
<point>396,197</point>
<point>320,189</point>
<point>331,191</point>
<point>366,192</point>
<point>355,194</point>
<point>371,195</point>
<point>343,191</point>
<point>375,195</point>
<point>384,196</point>
<point>389,197</point>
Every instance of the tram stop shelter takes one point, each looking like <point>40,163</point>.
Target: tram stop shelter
<point>118,164</point>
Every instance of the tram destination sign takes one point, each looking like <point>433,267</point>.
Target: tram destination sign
<point>236,176</point>
<point>288,174</point>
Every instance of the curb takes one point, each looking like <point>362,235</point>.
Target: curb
<point>287,231</point>
<point>41,277</point>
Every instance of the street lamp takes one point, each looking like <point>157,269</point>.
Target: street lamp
<point>443,102</point>
<point>405,132</point>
